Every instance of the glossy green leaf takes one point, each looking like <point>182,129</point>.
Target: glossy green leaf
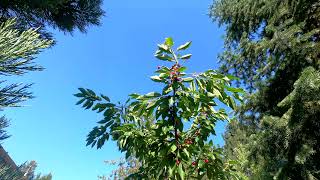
<point>184,46</point>
<point>185,57</point>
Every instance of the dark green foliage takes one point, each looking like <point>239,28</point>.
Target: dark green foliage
<point>66,15</point>
<point>273,47</point>
<point>168,131</point>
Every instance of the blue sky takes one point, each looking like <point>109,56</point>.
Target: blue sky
<point>115,59</point>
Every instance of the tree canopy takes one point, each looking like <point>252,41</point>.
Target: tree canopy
<point>273,47</point>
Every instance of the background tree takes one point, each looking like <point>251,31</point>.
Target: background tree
<point>6,172</point>
<point>168,132</point>
<point>273,47</point>
<point>66,15</point>
<point>27,171</point>
<point>124,167</point>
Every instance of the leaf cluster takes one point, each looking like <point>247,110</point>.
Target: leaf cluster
<point>168,131</point>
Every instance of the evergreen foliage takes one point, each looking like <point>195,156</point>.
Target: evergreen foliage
<point>273,47</point>
<point>17,52</point>
<point>66,15</point>
<point>168,132</point>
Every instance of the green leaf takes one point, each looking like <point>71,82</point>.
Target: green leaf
<point>167,90</point>
<point>232,104</point>
<point>83,90</point>
<point>238,97</point>
<point>81,101</point>
<point>79,95</point>
<point>134,95</point>
<point>110,105</point>
<point>182,69</point>
<point>152,95</point>
<point>185,57</point>
<point>216,92</point>
<point>234,90</point>
<point>99,106</point>
<point>188,79</point>
<point>103,121</point>
<point>109,123</point>
<point>181,172</point>
<point>193,86</point>
<point>172,169</point>
<point>233,162</point>
<point>105,97</point>
<point>164,48</point>
<point>100,143</point>
<point>173,148</point>
<point>186,152</point>
<point>151,104</point>
<point>108,113</point>
<point>156,79</point>
<point>211,95</point>
<point>164,57</point>
<point>164,75</point>
<point>91,92</point>
<point>88,104</point>
<point>184,46</point>
<point>169,42</point>
<point>163,69</point>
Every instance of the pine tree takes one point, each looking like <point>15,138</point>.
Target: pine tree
<point>66,15</point>
<point>273,47</point>
<point>17,52</point>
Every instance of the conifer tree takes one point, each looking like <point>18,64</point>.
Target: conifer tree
<point>17,52</point>
<point>66,15</point>
<point>273,47</point>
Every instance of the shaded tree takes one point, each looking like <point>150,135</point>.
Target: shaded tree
<point>66,15</point>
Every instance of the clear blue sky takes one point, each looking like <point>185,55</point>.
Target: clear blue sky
<point>116,59</point>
